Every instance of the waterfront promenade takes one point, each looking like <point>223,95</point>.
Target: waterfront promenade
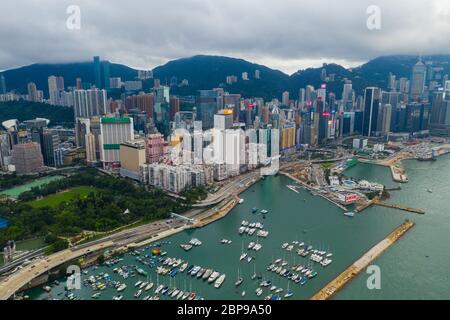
<point>18,280</point>
<point>341,280</point>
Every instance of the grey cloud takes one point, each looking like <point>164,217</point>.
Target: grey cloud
<point>285,34</point>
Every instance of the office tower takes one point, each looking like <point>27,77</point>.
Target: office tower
<point>391,82</point>
<point>288,135</point>
<point>115,83</point>
<point>371,108</point>
<point>32,92</point>
<point>55,87</point>
<point>97,72</point>
<point>145,74</point>
<point>91,154</point>
<point>265,114</point>
<point>257,74</point>
<point>437,110</point>
<point>417,81</point>
<point>79,84</point>
<point>132,157</point>
<point>417,116</point>
<point>232,101</point>
<point>207,103</point>
<point>385,118</point>
<point>223,120</point>
<point>301,97</point>
<point>348,123</point>
<point>65,99</point>
<point>50,141</point>
<point>308,93</point>
<point>27,158</point>
<point>403,86</point>
<point>249,113</point>
<point>174,107</point>
<point>220,101</point>
<point>82,128</point>
<point>347,93</point>
<point>398,121</point>
<point>2,84</point>
<point>322,92</point>
<point>144,102</point>
<point>88,103</point>
<point>331,101</point>
<point>53,90</point>
<point>392,98</point>
<point>106,75</point>
<point>323,116</point>
<point>285,98</point>
<point>162,94</point>
<point>35,129</point>
<point>154,147</point>
<point>161,110</point>
<point>114,131</point>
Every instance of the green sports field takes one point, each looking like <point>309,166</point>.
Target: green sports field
<point>55,199</point>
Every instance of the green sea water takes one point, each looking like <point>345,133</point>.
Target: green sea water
<point>416,267</point>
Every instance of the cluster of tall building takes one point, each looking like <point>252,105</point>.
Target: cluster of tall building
<point>147,136</point>
<point>30,146</point>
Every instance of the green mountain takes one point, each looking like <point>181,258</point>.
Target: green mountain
<point>18,79</point>
<point>206,72</point>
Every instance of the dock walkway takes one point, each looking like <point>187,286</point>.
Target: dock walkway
<point>341,280</point>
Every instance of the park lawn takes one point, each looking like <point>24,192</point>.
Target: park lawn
<point>327,164</point>
<point>67,195</point>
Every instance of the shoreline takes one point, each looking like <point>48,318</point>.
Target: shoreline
<point>288,175</point>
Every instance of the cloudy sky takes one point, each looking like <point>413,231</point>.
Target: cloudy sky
<point>282,34</point>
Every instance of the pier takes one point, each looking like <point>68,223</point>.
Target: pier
<point>341,280</point>
<point>399,207</point>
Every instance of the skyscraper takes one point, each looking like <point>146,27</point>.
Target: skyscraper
<point>207,105</point>
<point>27,158</point>
<point>371,106</point>
<point>50,141</point>
<point>2,84</point>
<point>347,93</point>
<point>79,84</point>
<point>114,131</point>
<point>97,72</point>
<point>417,116</point>
<point>144,102</point>
<point>32,92</point>
<point>285,98</point>
<point>88,103</point>
<point>154,147</point>
<point>174,107</point>
<point>418,77</point>
<point>53,89</point>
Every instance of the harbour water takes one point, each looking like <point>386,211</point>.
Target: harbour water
<point>415,267</point>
